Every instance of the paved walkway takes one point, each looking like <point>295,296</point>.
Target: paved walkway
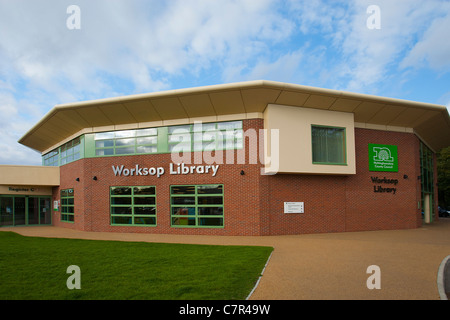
<point>324,266</point>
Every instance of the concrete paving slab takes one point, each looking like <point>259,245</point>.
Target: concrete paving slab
<point>323,266</point>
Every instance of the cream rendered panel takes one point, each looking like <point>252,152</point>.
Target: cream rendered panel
<point>12,175</point>
<point>295,141</point>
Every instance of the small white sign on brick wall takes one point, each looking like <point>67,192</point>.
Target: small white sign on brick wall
<point>294,207</point>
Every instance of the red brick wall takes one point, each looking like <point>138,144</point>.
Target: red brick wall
<point>92,200</point>
<point>348,203</point>
<point>254,204</point>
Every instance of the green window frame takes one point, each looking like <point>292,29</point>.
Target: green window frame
<point>70,151</point>
<point>206,137</point>
<point>161,140</point>
<point>126,142</point>
<point>66,153</point>
<point>68,205</point>
<point>197,206</point>
<point>328,145</point>
<point>133,206</point>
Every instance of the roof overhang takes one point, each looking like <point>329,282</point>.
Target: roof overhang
<point>431,122</point>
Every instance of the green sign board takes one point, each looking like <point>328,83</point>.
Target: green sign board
<point>383,158</point>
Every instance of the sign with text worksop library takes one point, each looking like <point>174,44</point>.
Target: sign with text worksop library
<point>383,158</point>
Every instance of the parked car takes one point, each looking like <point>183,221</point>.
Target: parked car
<point>443,212</point>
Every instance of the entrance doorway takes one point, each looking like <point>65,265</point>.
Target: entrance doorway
<point>25,210</point>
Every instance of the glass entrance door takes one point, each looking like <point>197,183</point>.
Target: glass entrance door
<point>24,210</point>
<point>45,213</point>
<point>19,211</point>
<point>33,210</point>
<point>6,211</point>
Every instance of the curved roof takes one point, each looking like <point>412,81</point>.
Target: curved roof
<point>431,122</point>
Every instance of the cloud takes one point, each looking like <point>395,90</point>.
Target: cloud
<point>123,47</point>
<point>362,59</point>
<point>432,49</point>
<point>126,47</point>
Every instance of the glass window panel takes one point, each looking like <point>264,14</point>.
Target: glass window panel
<point>180,138</point>
<point>147,140</point>
<point>209,136</point>
<point>146,132</point>
<point>76,149</point>
<point>144,190</point>
<point>211,222</point>
<point>121,191</point>
<point>179,129</point>
<point>143,149</point>
<point>144,200</point>
<point>125,142</point>
<point>183,200</point>
<point>104,143</point>
<point>183,211</point>
<point>121,210</point>
<point>183,221</point>
<point>104,152</point>
<point>127,150</point>
<point>121,200</point>
<point>125,134</point>
<point>229,125</point>
<point>76,141</point>
<point>145,220</point>
<point>328,145</point>
<point>145,210</point>
<point>204,127</point>
<point>210,211</point>
<point>210,200</point>
<point>183,189</point>
<point>104,135</point>
<point>121,220</point>
<point>211,189</point>
<point>70,209</point>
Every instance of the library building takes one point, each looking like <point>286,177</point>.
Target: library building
<point>255,158</point>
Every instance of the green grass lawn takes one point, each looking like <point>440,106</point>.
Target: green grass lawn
<point>36,268</point>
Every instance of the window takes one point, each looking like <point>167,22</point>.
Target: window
<point>206,137</point>
<point>142,141</point>
<point>183,138</point>
<point>328,145</point>
<point>70,151</point>
<point>51,159</point>
<point>67,153</point>
<point>134,206</point>
<point>68,205</point>
<point>197,206</point>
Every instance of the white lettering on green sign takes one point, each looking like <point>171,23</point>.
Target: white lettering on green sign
<point>383,158</point>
